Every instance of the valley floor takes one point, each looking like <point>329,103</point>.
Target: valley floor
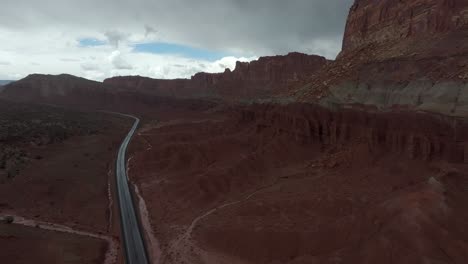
<point>57,179</point>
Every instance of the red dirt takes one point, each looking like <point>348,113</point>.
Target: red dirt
<point>69,184</point>
<point>112,247</point>
<point>25,245</point>
<point>65,179</point>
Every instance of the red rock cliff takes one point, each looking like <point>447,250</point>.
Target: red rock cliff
<point>394,49</point>
<point>373,21</point>
<point>258,78</point>
<point>413,135</point>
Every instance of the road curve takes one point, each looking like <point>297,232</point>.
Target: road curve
<point>135,252</point>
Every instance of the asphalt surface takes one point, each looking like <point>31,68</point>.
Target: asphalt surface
<point>135,251</point>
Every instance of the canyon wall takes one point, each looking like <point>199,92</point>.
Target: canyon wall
<point>372,21</point>
<point>448,98</point>
<point>413,135</point>
<point>398,54</point>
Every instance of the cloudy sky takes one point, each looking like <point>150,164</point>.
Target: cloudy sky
<point>97,39</point>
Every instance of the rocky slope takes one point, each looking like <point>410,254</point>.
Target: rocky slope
<point>398,54</point>
<point>382,21</point>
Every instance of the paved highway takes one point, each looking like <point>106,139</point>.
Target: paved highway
<point>135,252</point>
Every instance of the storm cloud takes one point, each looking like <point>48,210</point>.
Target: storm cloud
<point>238,28</point>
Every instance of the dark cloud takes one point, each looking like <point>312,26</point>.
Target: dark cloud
<point>115,37</point>
<point>150,30</point>
<point>244,27</point>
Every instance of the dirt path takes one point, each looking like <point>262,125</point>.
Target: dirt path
<point>182,245</point>
<point>111,254</point>
<point>188,232</point>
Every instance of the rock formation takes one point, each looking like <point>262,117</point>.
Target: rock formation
<point>398,54</point>
<point>408,134</point>
<point>256,79</point>
<point>395,20</point>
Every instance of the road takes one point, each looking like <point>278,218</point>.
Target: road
<point>135,252</point>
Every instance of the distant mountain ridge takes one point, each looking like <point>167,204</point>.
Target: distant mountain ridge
<point>258,79</point>
<point>42,86</point>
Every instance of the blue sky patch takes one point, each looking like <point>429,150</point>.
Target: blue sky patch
<point>176,49</point>
<point>91,42</point>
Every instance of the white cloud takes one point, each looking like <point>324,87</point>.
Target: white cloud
<point>56,53</point>
<point>89,66</point>
<point>119,62</point>
<point>42,36</point>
